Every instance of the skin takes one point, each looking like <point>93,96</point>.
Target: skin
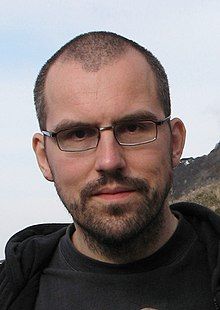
<point>124,87</point>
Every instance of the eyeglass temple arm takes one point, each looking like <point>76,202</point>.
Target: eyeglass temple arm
<point>163,121</point>
<point>48,133</point>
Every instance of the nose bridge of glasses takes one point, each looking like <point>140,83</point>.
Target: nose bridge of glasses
<point>105,128</point>
<point>110,127</point>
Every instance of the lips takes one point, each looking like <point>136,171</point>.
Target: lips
<point>114,193</point>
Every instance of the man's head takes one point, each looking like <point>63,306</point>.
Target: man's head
<point>116,194</point>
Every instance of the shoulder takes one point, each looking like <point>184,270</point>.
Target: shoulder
<point>30,247</point>
<point>27,253</point>
<point>37,233</point>
<point>1,264</point>
<point>204,220</point>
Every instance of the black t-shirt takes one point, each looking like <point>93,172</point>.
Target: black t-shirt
<point>176,277</point>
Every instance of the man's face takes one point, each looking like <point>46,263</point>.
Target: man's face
<point>113,192</point>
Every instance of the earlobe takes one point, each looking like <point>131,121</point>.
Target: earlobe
<point>39,149</point>
<point>178,132</point>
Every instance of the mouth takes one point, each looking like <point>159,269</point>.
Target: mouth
<point>116,193</point>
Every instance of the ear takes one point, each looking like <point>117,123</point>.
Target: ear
<point>178,133</point>
<point>40,152</point>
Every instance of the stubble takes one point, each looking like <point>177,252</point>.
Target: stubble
<point>108,228</point>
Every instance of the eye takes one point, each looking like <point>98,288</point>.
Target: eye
<point>80,133</point>
<point>131,127</point>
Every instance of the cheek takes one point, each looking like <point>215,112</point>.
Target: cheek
<point>152,164</point>
<point>73,173</point>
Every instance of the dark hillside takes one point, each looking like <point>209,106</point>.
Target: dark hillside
<point>198,179</point>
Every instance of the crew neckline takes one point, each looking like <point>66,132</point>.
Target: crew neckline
<point>173,249</point>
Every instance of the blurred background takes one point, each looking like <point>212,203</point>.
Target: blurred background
<point>185,36</point>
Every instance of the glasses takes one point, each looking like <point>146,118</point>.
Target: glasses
<point>85,137</point>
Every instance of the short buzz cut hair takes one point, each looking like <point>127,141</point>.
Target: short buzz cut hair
<point>94,50</point>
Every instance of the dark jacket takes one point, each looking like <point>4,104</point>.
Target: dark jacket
<point>29,251</point>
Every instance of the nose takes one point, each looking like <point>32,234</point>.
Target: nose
<point>109,154</point>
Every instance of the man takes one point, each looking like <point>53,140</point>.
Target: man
<point>109,145</point>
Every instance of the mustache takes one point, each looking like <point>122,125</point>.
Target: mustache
<point>139,185</point>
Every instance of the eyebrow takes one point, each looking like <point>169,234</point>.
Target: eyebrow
<point>67,124</point>
<point>137,116</point>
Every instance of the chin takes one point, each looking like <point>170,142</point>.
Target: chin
<point>112,224</point>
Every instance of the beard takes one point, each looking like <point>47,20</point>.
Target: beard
<point>117,229</point>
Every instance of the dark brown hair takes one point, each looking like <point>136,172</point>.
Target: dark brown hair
<point>93,50</point>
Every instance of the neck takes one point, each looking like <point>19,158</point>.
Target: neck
<point>144,245</point>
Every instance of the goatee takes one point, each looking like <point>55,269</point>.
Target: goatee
<point>109,228</point>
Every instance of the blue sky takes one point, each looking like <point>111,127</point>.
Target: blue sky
<point>185,36</point>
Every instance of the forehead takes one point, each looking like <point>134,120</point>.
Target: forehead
<point>124,86</point>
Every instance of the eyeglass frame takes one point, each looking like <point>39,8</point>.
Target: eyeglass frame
<point>52,134</point>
